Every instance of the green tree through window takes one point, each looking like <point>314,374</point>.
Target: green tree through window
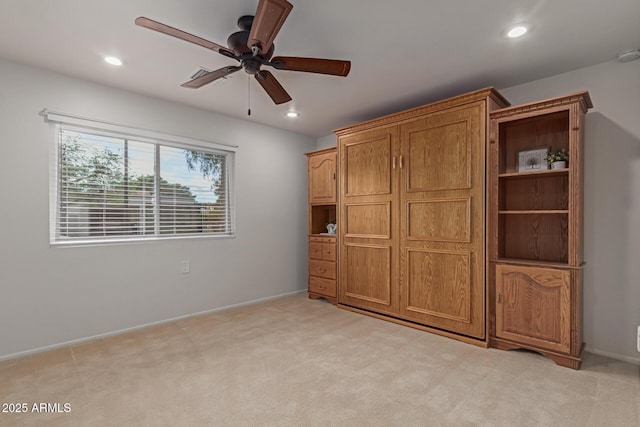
<point>114,187</point>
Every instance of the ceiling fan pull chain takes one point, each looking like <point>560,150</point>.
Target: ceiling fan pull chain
<point>248,95</point>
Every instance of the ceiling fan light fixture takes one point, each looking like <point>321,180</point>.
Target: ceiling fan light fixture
<point>517,31</point>
<point>293,114</point>
<point>113,60</point>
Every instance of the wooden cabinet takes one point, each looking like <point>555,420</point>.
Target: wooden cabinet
<point>536,228</point>
<point>322,267</point>
<point>321,168</point>
<point>411,214</point>
<point>533,306</point>
<point>322,176</point>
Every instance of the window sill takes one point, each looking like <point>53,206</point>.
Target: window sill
<point>127,241</point>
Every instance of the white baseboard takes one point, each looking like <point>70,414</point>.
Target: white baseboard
<point>135,328</point>
<point>633,360</point>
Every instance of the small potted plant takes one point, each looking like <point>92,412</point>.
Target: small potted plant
<point>558,159</point>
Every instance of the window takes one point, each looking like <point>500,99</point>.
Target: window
<point>116,187</point>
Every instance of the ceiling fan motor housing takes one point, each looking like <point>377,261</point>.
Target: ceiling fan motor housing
<point>238,40</point>
<point>245,22</point>
<point>238,43</point>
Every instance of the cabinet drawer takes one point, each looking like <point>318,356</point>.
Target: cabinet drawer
<point>533,306</point>
<point>325,269</point>
<point>321,286</point>
<point>315,250</point>
<point>329,251</point>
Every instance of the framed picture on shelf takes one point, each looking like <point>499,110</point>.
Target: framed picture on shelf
<point>533,160</point>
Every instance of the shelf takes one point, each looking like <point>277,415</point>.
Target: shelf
<point>531,262</point>
<point>528,235</point>
<point>319,216</point>
<point>540,174</point>
<point>322,235</point>
<point>535,212</point>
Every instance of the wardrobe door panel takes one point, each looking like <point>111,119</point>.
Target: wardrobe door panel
<point>442,219</point>
<point>368,273</point>
<point>439,156</point>
<point>369,220</point>
<point>438,284</point>
<point>368,253</point>
<point>447,220</point>
<point>368,166</point>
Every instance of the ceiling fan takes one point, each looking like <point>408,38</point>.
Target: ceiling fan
<point>253,48</point>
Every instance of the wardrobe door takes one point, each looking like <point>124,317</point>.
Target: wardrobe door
<point>442,219</point>
<point>322,178</point>
<point>368,226</point>
<point>533,306</point>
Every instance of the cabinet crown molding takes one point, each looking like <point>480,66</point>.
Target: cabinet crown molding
<point>321,151</point>
<point>582,98</point>
<point>478,95</point>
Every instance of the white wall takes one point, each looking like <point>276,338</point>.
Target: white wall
<point>327,141</point>
<point>612,198</point>
<point>50,295</point>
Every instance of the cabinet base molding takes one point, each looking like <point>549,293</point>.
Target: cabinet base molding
<point>564,360</point>
<point>332,300</point>
<point>462,338</point>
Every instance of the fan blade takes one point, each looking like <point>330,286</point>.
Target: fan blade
<point>312,65</point>
<point>182,35</point>
<point>273,87</point>
<point>210,77</point>
<point>269,18</point>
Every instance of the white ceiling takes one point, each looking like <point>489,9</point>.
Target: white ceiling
<point>404,53</point>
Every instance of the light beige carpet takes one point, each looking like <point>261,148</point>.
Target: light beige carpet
<point>298,362</point>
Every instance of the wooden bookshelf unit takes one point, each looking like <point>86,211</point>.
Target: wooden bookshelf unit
<point>535,230</point>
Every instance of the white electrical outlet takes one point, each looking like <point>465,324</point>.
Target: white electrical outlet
<point>638,342</point>
<point>185,267</point>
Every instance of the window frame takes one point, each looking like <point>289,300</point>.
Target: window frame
<point>95,127</point>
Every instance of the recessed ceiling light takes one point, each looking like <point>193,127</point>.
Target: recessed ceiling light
<point>293,114</point>
<point>517,31</point>
<point>113,60</point>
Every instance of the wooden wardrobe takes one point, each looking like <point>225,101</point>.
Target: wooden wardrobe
<point>411,216</point>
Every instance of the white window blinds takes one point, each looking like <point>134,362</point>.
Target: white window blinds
<point>115,187</point>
